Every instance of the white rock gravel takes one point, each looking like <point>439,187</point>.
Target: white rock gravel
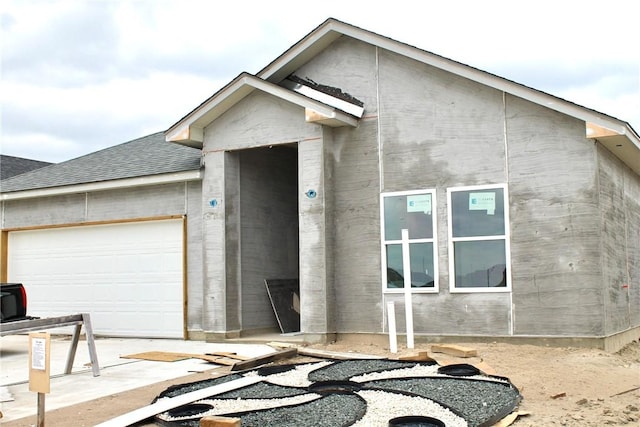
<point>383,406</point>
<point>297,377</point>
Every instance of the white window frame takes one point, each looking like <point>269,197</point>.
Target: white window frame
<point>505,237</point>
<point>433,240</point>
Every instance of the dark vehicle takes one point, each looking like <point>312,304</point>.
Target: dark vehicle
<point>13,302</point>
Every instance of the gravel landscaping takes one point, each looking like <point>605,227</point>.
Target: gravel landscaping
<point>359,393</point>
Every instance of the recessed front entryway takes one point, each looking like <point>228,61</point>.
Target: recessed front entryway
<point>268,229</point>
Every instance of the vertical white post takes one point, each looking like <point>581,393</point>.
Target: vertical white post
<point>406,269</point>
<point>393,336</point>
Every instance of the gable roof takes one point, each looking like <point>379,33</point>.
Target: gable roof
<point>190,129</point>
<point>127,164</point>
<point>12,166</point>
<point>617,135</point>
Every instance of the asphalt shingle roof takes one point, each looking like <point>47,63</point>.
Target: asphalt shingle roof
<point>12,166</point>
<point>146,156</point>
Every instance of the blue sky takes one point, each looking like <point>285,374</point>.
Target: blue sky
<point>82,75</point>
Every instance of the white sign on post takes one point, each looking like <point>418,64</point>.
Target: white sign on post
<point>39,347</point>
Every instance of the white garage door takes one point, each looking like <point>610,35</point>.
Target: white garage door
<point>127,276</point>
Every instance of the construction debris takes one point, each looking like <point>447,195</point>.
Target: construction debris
<point>228,359</point>
<point>454,350</point>
<point>626,391</point>
<point>278,344</point>
<point>163,405</point>
<point>509,419</point>
<point>261,360</point>
<point>324,354</point>
<point>213,421</point>
<point>420,356</point>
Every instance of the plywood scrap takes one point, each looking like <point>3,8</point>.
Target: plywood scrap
<point>261,360</point>
<point>218,360</point>
<point>420,356</point>
<point>167,356</point>
<point>217,421</point>
<point>325,354</point>
<point>485,367</point>
<point>229,355</point>
<point>158,356</point>
<point>454,350</point>
<point>277,344</point>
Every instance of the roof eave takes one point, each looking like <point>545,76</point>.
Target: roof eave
<point>624,145</point>
<point>332,29</point>
<point>193,175</point>
<point>190,130</point>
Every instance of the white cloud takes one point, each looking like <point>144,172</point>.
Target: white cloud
<point>79,75</point>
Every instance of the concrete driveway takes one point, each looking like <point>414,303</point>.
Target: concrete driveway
<point>117,374</point>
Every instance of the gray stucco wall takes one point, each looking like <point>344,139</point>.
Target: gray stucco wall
<point>123,204</point>
<point>555,239</point>
<point>194,256</point>
<point>619,195</point>
<point>107,205</point>
<point>356,228</point>
<point>426,120</point>
<point>424,128</point>
<point>440,131</point>
<point>52,210</point>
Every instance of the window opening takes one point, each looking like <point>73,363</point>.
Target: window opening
<point>478,245</point>
<point>412,211</point>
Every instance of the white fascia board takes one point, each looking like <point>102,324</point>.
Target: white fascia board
<point>193,125</point>
<point>332,30</point>
<point>347,107</point>
<point>491,80</point>
<point>104,185</point>
<point>303,101</point>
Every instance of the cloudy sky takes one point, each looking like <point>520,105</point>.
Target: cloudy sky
<point>82,75</point>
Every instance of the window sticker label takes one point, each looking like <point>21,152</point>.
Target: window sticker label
<point>485,201</point>
<point>419,203</point>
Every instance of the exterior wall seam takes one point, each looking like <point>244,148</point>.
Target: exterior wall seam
<point>380,169</point>
<point>600,243</point>
<point>506,180</point>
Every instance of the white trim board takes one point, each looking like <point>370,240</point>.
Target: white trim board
<point>167,404</point>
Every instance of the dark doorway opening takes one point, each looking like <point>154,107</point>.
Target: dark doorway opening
<point>269,226</point>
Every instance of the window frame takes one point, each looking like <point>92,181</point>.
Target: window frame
<point>433,240</point>
<point>503,237</point>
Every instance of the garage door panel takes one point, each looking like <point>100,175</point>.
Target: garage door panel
<point>128,276</point>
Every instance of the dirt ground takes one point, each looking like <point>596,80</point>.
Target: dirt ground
<point>560,386</point>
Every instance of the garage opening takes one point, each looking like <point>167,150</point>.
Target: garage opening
<point>127,276</point>
<point>269,230</point>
